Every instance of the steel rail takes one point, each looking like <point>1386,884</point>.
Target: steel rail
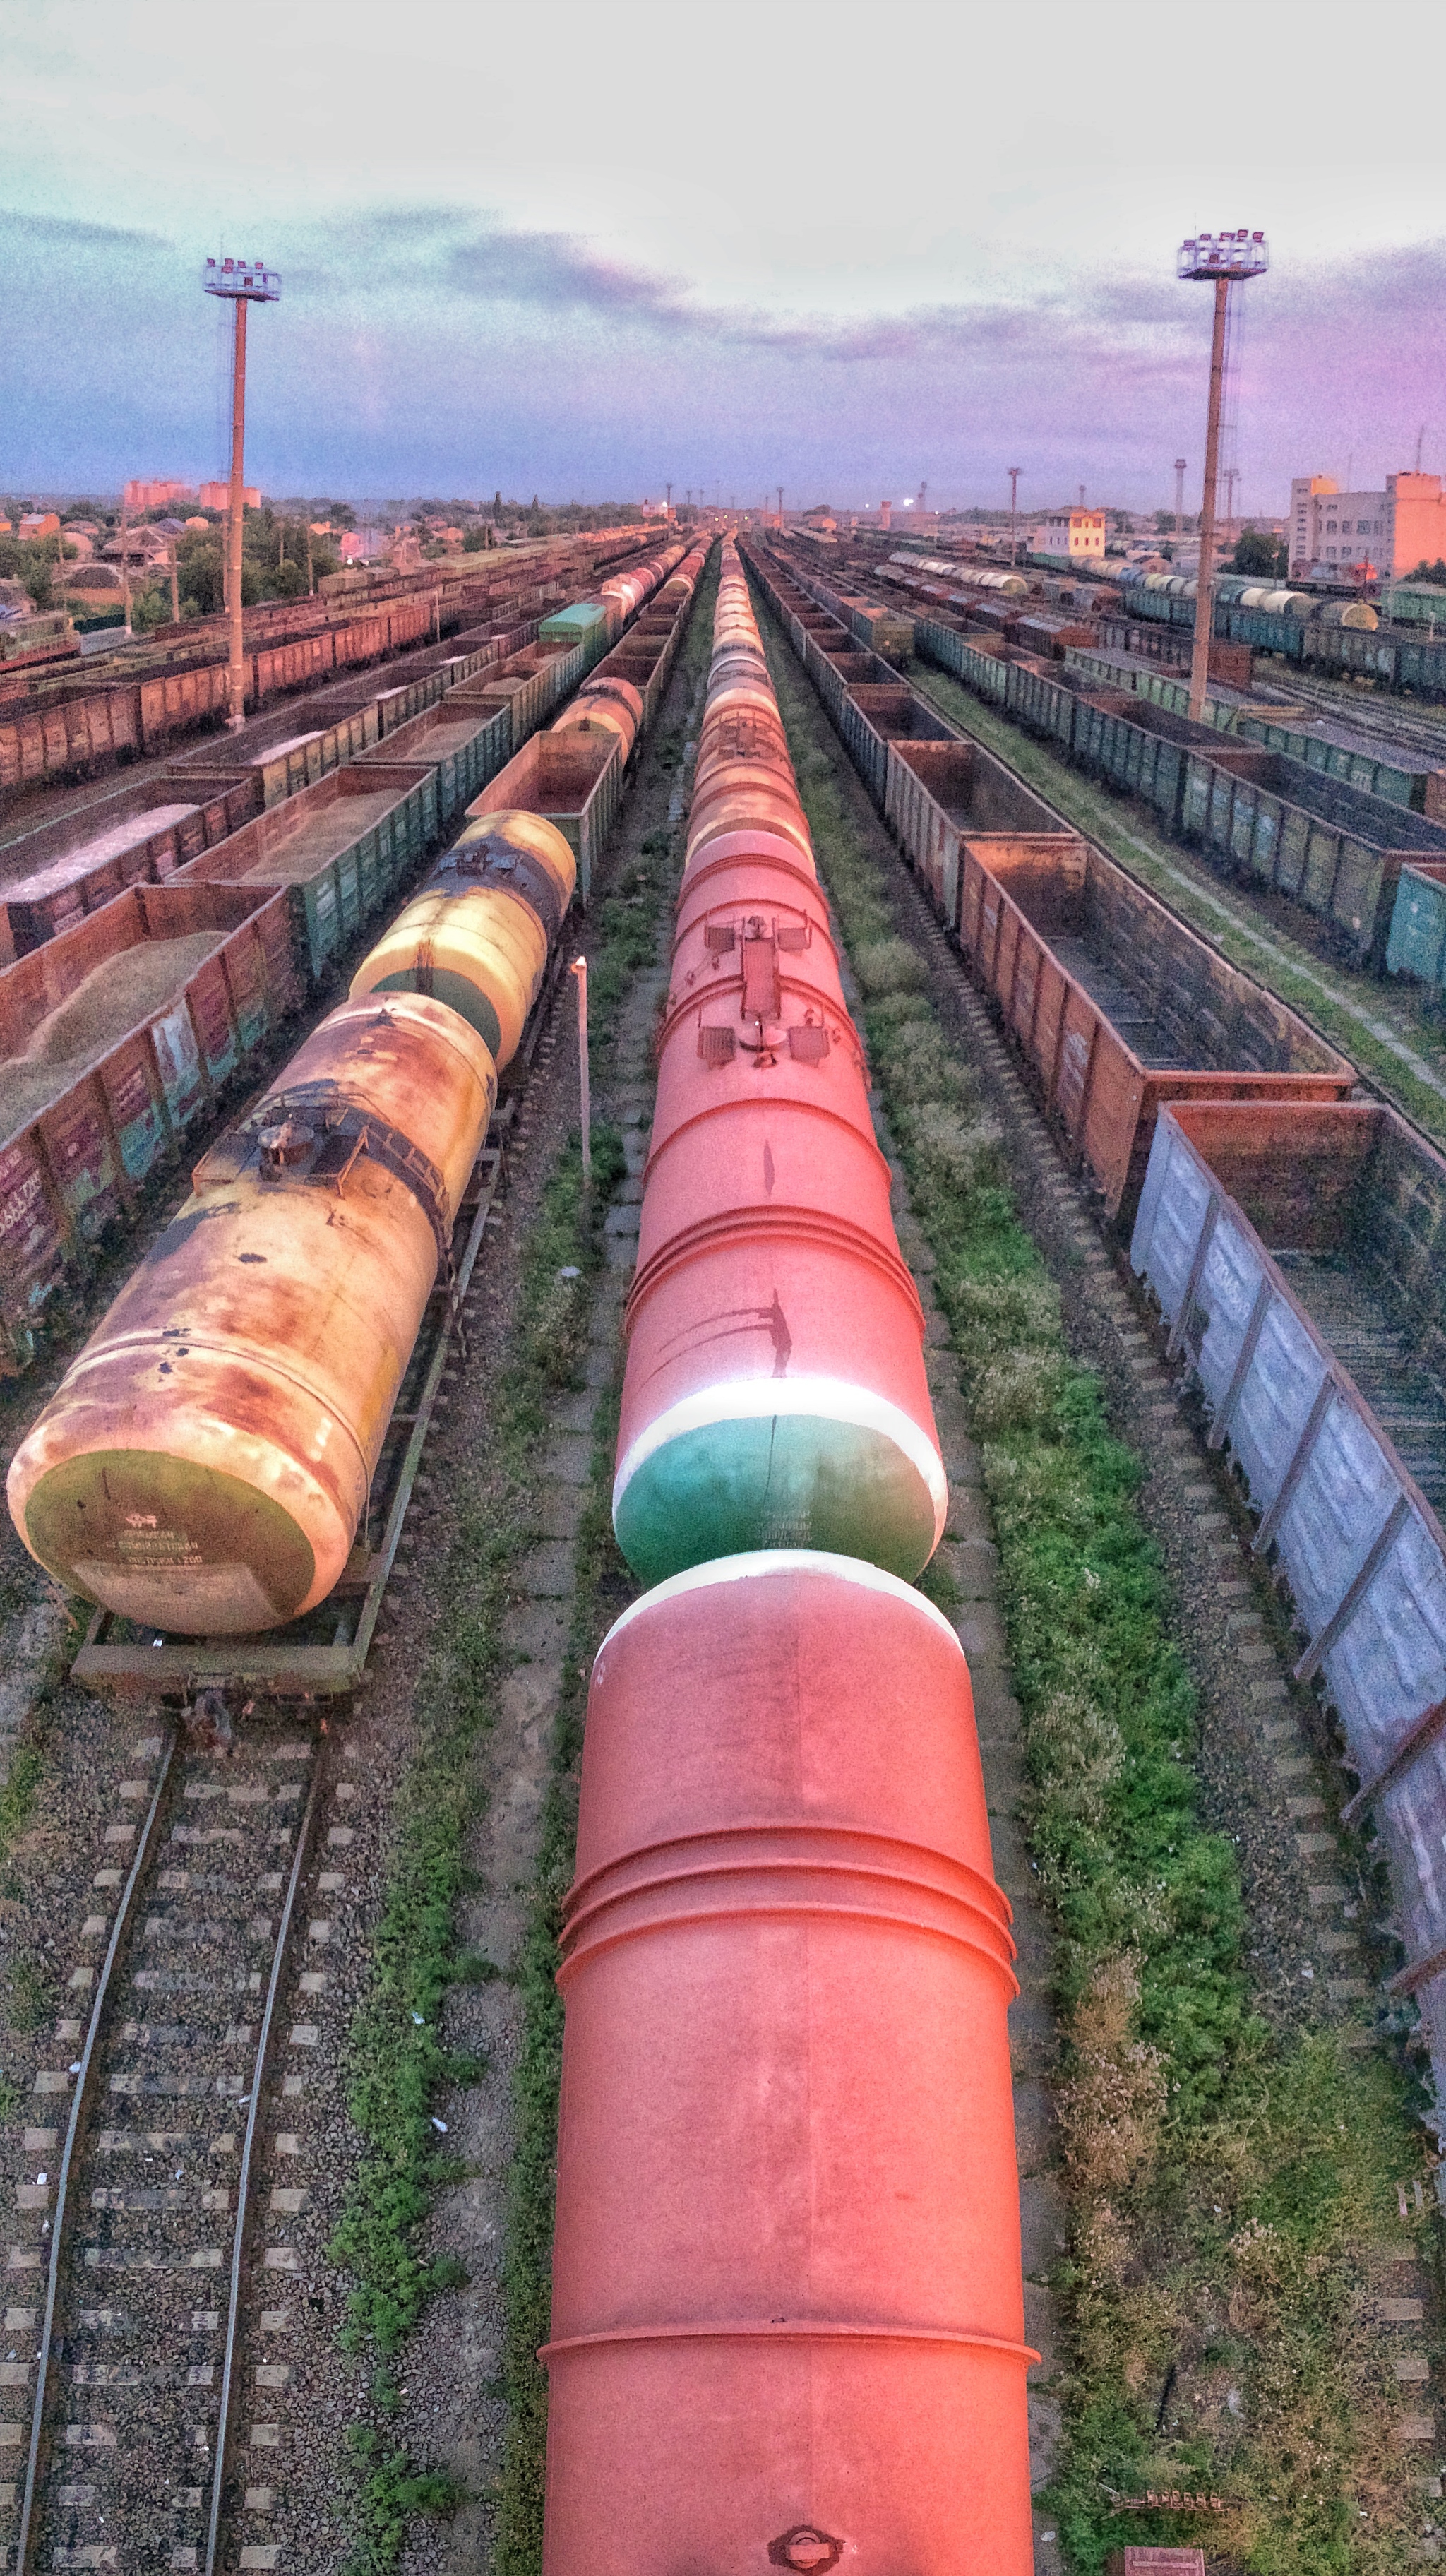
<point>79,2105</point>
<point>243,2184</point>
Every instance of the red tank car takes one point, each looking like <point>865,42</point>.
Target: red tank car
<point>787,2319</point>
<point>775,1392</point>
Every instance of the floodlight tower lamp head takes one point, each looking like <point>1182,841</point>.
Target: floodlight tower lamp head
<point>1229,255</point>
<point>242,281</point>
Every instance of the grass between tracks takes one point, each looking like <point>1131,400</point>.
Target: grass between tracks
<point>1321,992</point>
<point>31,1981</point>
<point>398,2061</point>
<point>399,2065</point>
<point>1232,2197</point>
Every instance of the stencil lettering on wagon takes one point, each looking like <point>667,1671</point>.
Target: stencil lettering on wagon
<point>1073,1060</point>
<point>176,1050</point>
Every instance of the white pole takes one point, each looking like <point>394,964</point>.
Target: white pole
<point>579,969</point>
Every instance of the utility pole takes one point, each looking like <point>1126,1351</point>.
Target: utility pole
<point>175,588</point>
<point>1233,255</point>
<point>240,282</point>
<point>310,575</point>
<point>1179,498</point>
<point>668,512</point>
<point>126,560</point>
<point>1013,514</point>
<point>780,507</point>
<point>1232,476</point>
<point>579,969</point>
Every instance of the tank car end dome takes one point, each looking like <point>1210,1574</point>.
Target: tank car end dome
<point>800,1463</point>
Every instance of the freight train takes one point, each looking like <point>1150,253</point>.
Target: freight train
<point>1350,638</point>
<point>766,1200</point>
<point>1354,838</point>
<point>73,721</point>
<point>206,1461</point>
<point>1343,637</point>
<point>787,2320</point>
<point>122,1019</point>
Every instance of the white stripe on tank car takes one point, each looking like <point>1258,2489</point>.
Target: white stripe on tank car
<point>759,1561</point>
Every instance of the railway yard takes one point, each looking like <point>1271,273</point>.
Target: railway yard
<point>1136,1102</point>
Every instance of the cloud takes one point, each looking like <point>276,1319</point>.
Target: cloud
<point>441,253</point>
<point>69,233</point>
<point>431,346</point>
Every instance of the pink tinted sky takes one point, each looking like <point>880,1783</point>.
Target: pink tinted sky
<point>579,249</point>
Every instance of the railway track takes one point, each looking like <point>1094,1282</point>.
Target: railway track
<point>1363,713</point>
<point>144,2300</point>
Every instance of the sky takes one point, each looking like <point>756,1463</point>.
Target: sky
<point>582,250</point>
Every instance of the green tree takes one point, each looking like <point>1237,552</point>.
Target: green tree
<point>200,575</point>
<point>1430,571</point>
<point>1258,552</point>
<point>149,608</point>
<point>32,560</point>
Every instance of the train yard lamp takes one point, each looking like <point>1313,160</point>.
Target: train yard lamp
<point>1224,258</point>
<point>1013,513</point>
<point>1180,463</point>
<point>239,282</point>
<point>780,506</point>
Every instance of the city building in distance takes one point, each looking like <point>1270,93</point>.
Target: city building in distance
<point>1074,536</point>
<point>1370,536</point>
<point>141,495</point>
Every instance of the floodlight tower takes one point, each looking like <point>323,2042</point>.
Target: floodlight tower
<point>1224,258</point>
<point>240,282</point>
<point>1180,462</point>
<point>1013,511</point>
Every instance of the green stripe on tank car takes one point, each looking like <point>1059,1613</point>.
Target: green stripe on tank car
<point>786,1480</point>
<point>442,985</point>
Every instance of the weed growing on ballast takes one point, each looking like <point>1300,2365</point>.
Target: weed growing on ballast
<point>398,2061</point>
